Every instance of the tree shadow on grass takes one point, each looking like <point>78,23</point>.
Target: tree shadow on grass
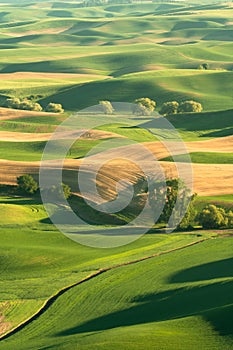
<point>214,302</point>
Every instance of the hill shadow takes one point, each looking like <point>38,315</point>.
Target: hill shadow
<point>216,269</point>
<point>213,302</point>
<point>220,133</point>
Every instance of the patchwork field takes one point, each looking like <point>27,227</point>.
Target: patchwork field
<point>163,291</point>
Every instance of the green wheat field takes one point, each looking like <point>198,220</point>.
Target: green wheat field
<point>164,291</point>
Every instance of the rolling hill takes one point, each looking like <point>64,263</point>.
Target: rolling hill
<point>163,291</point>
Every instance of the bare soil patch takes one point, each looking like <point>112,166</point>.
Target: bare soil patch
<point>42,75</point>
<point>8,113</point>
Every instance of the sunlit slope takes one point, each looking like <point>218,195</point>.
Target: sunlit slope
<point>53,260</point>
<point>192,127</point>
<point>212,89</point>
<point>110,59</point>
<point>169,300</point>
<point>110,24</point>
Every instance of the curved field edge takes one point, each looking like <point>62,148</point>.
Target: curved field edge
<point>96,325</point>
<point>55,296</point>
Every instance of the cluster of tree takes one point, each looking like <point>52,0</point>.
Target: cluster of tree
<point>144,106</point>
<point>25,104</point>
<point>54,108</point>
<point>166,194</point>
<point>163,195</point>
<point>160,194</point>
<point>30,105</point>
<point>173,107</point>
<point>27,184</point>
<point>215,217</point>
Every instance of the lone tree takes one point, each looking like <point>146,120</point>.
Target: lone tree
<point>190,107</point>
<point>59,192</point>
<point>54,108</point>
<point>27,184</point>
<point>213,217</point>
<point>144,106</point>
<point>204,66</point>
<point>106,107</point>
<point>169,108</point>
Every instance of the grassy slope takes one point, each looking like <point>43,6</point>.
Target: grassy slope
<point>165,302</point>
<point>190,126</point>
<point>32,151</point>
<point>53,260</point>
<point>132,41</point>
<point>204,158</point>
<point>207,88</point>
<point>198,126</point>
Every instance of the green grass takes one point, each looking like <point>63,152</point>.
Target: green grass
<point>32,151</point>
<point>42,86</point>
<point>45,119</point>
<point>53,260</point>
<point>203,125</point>
<point>181,300</point>
<point>226,198</point>
<point>224,201</point>
<point>26,127</point>
<point>212,89</point>
<point>130,131</point>
<point>204,158</point>
<point>22,214</point>
<point>190,127</point>
<point>169,300</point>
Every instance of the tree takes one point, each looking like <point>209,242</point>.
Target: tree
<point>167,193</point>
<point>144,106</point>
<point>66,190</point>
<point>190,107</point>
<point>24,104</point>
<point>213,217</point>
<point>13,102</point>
<point>188,220</point>
<point>27,184</point>
<point>204,66</point>
<point>58,192</point>
<point>107,107</point>
<point>30,105</point>
<point>54,108</point>
<point>230,219</point>
<point>169,108</point>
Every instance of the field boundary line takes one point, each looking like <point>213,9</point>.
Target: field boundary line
<point>55,296</point>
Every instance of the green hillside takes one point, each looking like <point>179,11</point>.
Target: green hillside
<point>163,291</point>
<point>170,299</point>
